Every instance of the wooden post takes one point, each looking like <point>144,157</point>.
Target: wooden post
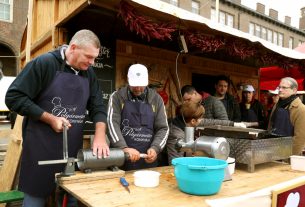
<point>29,32</point>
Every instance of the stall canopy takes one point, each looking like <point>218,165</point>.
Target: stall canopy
<point>270,76</point>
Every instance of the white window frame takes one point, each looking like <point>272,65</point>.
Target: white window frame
<point>10,3</point>
<point>257,30</point>
<point>213,15</point>
<point>290,43</point>
<point>264,33</point>
<point>230,20</point>
<point>195,7</point>
<point>275,38</point>
<point>269,35</point>
<point>222,17</point>
<point>251,28</point>
<point>280,39</point>
<point>174,2</point>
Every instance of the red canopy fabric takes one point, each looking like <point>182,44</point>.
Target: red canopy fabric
<point>270,77</point>
<point>300,48</point>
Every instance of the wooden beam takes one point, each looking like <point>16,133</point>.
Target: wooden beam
<point>29,32</point>
<point>78,8</point>
<point>12,157</point>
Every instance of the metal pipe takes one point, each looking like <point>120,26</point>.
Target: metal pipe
<point>65,142</point>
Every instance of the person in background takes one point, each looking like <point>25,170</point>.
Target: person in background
<point>230,103</point>
<point>288,115</point>
<point>190,114</point>
<point>53,90</point>
<point>137,120</point>
<point>252,111</point>
<point>274,98</point>
<point>214,109</point>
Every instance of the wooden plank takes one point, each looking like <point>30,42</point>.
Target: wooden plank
<point>11,161</point>
<point>80,177</point>
<point>3,147</point>
<point>109,192</point>
<point>2,155</point>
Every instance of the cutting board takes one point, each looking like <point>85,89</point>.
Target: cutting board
<point>85,177</point>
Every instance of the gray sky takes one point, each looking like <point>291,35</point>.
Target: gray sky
<point>284,7</point>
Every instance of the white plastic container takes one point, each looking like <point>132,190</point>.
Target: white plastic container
<point>231,165</point>
<point>146,178</point>
<point>297,162</point>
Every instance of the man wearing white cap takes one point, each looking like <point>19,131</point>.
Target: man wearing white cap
<point>252,111</point>
<point>137,120</point>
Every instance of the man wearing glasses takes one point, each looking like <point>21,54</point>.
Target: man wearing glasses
<point>288,115</point>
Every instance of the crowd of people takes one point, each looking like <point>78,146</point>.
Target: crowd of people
<point>58,88</point>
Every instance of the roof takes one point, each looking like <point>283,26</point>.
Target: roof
<point>186,15</point>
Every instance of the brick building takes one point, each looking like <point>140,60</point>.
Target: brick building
<point>13,17</point>
<point>233,14</point>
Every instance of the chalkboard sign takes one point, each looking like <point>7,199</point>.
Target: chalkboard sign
<point>104,67</point>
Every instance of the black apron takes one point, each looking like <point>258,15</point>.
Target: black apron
<point>137,121</point>
<point>281,124</point>
<point>67,97</point>
<point>248,115</point>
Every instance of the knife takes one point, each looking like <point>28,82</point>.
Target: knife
<point>124,183</point>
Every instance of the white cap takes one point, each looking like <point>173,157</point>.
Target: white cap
<point>137,75</point>
<point>248,88</point>
<point>274,92</point>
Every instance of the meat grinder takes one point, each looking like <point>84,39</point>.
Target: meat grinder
<point>207,146</point>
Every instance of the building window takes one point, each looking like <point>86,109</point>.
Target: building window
<point>301,42</point>
<point>251,29</point>
<point>230,20</point>
<point>174,2</point>
<point>264,33</point>
<point>280,39</point>
<point>5,10</point>
<point>213,15</point>
<point>222,18</point>
<point>257,30</point>
<point>195,7</point>
<point>269,35</point>
<point>275,38</point>
<point>290,43</point>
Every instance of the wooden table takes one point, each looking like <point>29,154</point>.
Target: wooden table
<point>109,192</point>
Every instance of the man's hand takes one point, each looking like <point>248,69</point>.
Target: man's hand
<point>240,124</point>
<point>250,124</point>
<point>57,123</point>
<point>100,146</point>
<point>151,155</point>
<point>134,155</point>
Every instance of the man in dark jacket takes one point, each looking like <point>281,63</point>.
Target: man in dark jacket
<point>251,110</point>
<point>137,120</point>
<point>288,115</point>
<point>53,90</point>
<point>229,102</point>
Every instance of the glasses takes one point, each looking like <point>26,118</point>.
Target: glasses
<point>282,87</point>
